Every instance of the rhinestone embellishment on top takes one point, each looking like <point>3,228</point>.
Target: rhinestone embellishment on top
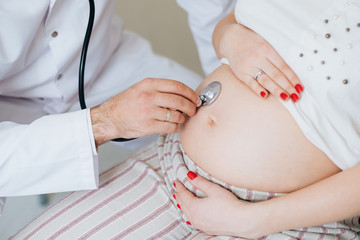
<point>335,49</point>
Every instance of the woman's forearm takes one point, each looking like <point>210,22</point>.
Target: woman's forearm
<point>330,200</point>
<point>220,33</point>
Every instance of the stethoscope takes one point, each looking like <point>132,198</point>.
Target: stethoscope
<point>208,94</point>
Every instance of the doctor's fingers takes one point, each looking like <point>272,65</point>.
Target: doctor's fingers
<point>168,115</point>
<point>174,87</point>
<point>176,102</point>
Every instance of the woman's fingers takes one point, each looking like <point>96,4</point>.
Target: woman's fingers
<point>203,184</point>
<point>189,204</point>
<point>249,54</point>
<point>280,64</point>
<point>214,214</point>
<point>283,84</point>
<point>269,79</point>
<point>264,84</point>
<point>200,183</point>
<point>272,87</point>
<point>250,82</point>
<point>183,195</point>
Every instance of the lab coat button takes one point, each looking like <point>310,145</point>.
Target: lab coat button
<point>54,34</point>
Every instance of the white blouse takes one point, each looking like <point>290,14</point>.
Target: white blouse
<point>320,40</point>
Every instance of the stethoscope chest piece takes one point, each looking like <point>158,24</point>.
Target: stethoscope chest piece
<point>209,94</point>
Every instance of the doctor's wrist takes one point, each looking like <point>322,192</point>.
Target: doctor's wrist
<point>103,130</point>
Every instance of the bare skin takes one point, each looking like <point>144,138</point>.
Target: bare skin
<point>251,142</point>
<point>320,192</point>
<point>248,53</point>
<point>254,143</point>
<point>142,110</point>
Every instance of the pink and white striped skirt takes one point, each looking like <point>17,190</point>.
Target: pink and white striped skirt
<point>134,201</point>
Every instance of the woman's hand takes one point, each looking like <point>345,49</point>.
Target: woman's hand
<point>254,61</point>
<point>150,106</point>
<point>219,213</point>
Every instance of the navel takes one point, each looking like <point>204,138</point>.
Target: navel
<point>211,121</point>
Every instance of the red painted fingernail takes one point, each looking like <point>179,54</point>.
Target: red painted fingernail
<point>174,196</point>
<point>188,223</point>
<point>263,94</point>
<point>178,206</point>
<point>299,88</point>
<point>175,185</point>
<point>294,97</point>
<point>284,96</point>
<point>191,175</point>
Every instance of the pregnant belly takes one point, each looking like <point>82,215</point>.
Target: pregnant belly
<point>251,142</point>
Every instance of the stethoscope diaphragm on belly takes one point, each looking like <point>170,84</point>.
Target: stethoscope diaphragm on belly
<point>210,93</point>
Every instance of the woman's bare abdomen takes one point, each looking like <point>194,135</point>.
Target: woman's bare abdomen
<point>251,142</point>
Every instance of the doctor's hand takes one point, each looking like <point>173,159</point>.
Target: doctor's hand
<point>150,106</point>
<point>254,61</point>
<point>220,212</point>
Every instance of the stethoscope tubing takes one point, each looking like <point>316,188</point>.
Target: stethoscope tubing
<point>83,62</point>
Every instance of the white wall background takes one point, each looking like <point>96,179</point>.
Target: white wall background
<point>164,24</point>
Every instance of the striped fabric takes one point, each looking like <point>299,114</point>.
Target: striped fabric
<point>134,201</point>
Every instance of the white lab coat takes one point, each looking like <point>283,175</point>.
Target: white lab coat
<point>43,148</point>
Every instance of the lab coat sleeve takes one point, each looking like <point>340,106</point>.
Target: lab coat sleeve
<point>55,153</point>
<point>203,16</point>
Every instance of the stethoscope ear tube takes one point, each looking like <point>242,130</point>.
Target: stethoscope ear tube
<point>84,53</point>
<point>83,62</point>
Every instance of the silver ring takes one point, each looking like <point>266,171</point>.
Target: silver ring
<point>168,116</point>
<point>258,74</point>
